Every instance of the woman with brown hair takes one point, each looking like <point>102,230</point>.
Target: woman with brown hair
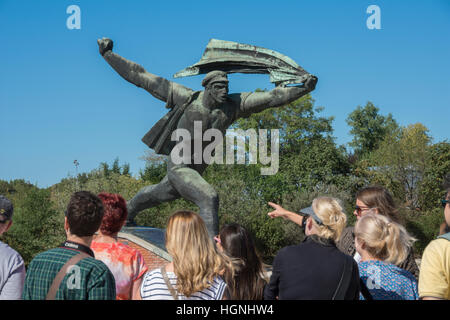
<point>377,200</point>
<point>248,281</point>
<point>194,273</point>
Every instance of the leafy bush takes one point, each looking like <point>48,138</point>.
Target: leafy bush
<point>424,226</point>
<point>36,225</point>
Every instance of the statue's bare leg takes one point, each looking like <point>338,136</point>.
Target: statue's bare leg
<point>149,197</point>
<point>191,186</point>
<point>180,181</point>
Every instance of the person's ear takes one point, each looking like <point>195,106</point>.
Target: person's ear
<point>66,225</point>
<point>362,244</point>
<point>309,224</point>
<point>359,245</point>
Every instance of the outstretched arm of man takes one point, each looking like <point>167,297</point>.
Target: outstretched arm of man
<point>280,96</point>
<point>135,73</point>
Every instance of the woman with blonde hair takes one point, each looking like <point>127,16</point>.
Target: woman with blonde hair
<point>316,269</point>
<point>194,272</point>
<point>382,245</point>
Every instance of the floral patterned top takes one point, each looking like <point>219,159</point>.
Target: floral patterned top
<point>126,264</point>
<point>386,281</point>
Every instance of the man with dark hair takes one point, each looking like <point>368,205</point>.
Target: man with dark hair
<point>12,267</point>
<point>70,272</point>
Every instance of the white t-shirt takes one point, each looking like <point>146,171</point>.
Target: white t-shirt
<point>12,273</point>
<point>154,288</point>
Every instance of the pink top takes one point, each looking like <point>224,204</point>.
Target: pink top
<point>126,264</point>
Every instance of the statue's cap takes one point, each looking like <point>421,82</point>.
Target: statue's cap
<point>214,76</point>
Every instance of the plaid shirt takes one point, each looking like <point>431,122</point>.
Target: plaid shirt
<point>91,280</point>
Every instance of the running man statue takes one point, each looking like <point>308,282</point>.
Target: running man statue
<point>214,107</point>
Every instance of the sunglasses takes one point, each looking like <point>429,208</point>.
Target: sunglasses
<point>305,218</point>
<point>358,209</point>
<point>444,202</point>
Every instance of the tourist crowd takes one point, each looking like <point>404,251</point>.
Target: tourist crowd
<point>374,260</point>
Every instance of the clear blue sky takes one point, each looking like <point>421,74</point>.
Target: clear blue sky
<point>60,101</point>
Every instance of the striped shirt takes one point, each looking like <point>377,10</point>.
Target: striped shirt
<point>154,288</point>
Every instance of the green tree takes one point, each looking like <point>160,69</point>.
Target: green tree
<point>308,153</point>
<point>14,189</point>
<point>400,162</point>
<point>437,167</point>
<point>105,168</point>
<point>155,167</point>
<point>297,122</point>
<point>126,169</point>
<point>153,172</point>
<point>116,166</point>
<point>36,225</point>
<point>369,128</point>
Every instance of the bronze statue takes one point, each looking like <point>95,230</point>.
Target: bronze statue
<point>214,107</point>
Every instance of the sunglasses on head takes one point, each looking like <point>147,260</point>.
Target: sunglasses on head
<point>444,202</point>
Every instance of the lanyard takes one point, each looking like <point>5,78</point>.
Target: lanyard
<point>77,246</point>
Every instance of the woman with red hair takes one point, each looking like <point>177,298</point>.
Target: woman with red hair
<point>126,263</point>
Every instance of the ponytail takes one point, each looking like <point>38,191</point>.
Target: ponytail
<point>385,239</point>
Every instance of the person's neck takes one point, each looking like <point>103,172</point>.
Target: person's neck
<point>169,267</point>
<point>106,238</point>
<point>367,257</point>
<point>86,241</point>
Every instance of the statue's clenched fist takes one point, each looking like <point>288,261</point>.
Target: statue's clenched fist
<point>104,45</point>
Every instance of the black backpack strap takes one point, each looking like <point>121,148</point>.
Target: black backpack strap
<point>364,290</point>
<point>346,277</point>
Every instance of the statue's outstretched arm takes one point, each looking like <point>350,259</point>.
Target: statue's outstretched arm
<point>133,72</point>
<point>280,96</point>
